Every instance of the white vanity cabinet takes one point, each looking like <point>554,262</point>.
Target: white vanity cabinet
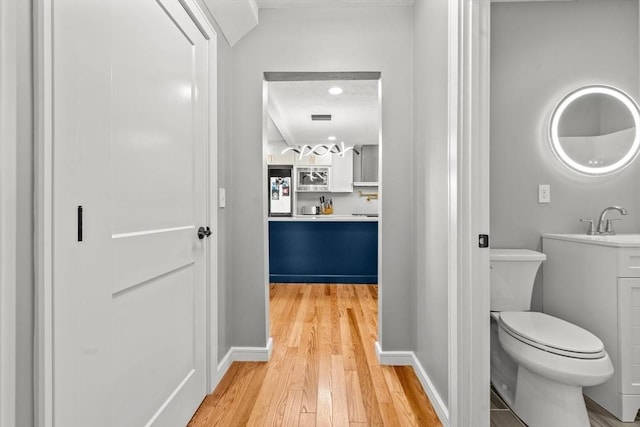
<point>594,282</point>
<point>629,315</point>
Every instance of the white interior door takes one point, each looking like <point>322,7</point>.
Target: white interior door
<point>129,146</point>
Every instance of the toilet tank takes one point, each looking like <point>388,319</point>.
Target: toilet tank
<point>512,274</point>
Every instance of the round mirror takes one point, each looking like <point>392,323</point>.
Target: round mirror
<point>594,130</point>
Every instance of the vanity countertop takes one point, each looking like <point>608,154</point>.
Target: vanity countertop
<point>616,240</point>
<point>326,218</point>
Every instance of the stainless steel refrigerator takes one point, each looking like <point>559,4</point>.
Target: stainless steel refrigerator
<point>280,188</point>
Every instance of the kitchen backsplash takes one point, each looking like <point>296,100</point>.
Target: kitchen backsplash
<point>343,203</point>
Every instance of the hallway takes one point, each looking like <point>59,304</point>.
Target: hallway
<point>323,369</point>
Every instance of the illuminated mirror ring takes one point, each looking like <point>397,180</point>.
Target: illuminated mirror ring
<point>564,147</point>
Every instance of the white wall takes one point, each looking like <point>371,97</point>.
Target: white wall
<point>224,173</point>
<point>323,39</point>
<point>431,203</point>
<point>539,52</point>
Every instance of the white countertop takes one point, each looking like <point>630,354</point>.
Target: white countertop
<point>325,218</point>
<point>616,240</point>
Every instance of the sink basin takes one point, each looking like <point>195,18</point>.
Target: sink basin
<point>618,240</point>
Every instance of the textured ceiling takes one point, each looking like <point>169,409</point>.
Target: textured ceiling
<point>330,3</point>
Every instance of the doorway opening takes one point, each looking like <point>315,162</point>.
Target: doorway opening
<point>322,158</point>
<point>321,145</point>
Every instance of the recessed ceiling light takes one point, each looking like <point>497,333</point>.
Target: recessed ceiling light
<point>332,138</point>
<point>335,90</point>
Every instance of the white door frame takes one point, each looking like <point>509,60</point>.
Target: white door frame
<point>8,206</point>
<point>43,50</point>
<point>469,22</point>
<point>43,183</point>
<point>212,202</point>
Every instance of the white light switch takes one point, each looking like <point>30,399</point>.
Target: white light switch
<point>222,197</point>
<point>544,193</point>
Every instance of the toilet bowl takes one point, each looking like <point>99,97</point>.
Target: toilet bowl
<point>555,360</point>
<point>539,363</point>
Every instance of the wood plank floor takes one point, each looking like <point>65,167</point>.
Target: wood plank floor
<point>323,370</point>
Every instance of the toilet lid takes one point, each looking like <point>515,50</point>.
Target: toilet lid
<point>552,334</point>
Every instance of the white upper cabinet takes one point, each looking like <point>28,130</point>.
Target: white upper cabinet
<point>342,173</point>
<point>275,155</point>
<point>312,160</point>
<point>277,147</point>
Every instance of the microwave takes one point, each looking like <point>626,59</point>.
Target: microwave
<point>313,178</point>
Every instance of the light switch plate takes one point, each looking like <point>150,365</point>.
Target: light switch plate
<point>222,197</point>
<point>544,193</point>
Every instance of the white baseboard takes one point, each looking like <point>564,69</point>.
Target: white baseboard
<point>408,358</point>
<point>252,354</point>
<point>395,358</point>
<point>243,354</point>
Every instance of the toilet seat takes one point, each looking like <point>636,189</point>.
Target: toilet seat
<point>551,334</point>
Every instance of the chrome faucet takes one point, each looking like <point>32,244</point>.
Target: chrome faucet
<point>607,227</point>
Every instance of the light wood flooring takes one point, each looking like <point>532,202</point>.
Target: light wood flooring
<point>323,370</point>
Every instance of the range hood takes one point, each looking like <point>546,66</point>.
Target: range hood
<point>365,166</point>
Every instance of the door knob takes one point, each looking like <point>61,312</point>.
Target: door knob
<point>203,232</point>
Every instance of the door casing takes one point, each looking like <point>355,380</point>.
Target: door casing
<point>469,24</point>
<point>44,207</point>
<point>8,209</point>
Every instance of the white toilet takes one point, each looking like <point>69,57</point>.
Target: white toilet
<point>539,363</point>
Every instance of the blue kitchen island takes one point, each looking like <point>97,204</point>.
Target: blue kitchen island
<point>323,249</point>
